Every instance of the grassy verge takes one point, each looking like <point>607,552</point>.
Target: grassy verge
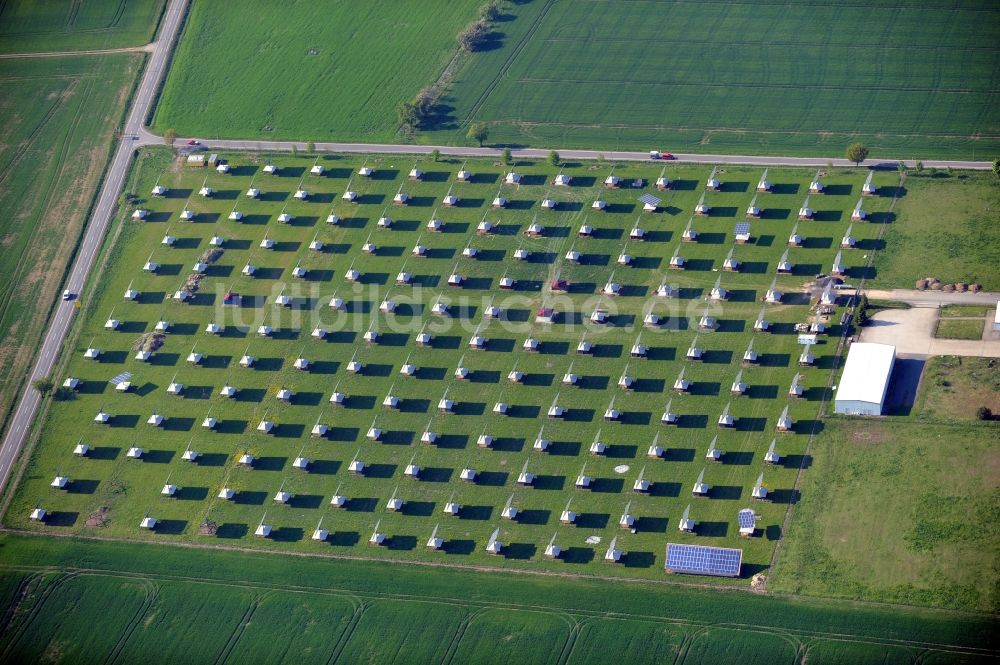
<point>959,329</point>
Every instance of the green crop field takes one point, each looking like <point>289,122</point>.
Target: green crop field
<point>71,25</point>
<point>57,116</point>
<point>949,232</point>
<point>339,72</point>
<point>111,490</point>
<point>232,605</point>
<point>796,78</point>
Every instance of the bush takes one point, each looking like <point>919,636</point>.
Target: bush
<point>474,36</point>
<point>491,11</point>
<point>170,136</point>
<point>861,312</point>
<point>984,413</point>
<point>505,156</point>
<point>43,385</point>
<point>554,158</point>
<point>435,155</point>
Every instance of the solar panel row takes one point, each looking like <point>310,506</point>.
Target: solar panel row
<point>742,228</point>
<point>702,560</point>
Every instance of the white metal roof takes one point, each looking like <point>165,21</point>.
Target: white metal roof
<point>996,315</point>
<point>866,373</point>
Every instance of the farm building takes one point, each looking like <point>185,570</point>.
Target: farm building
<point>866,375</point>
<point>996,317</point>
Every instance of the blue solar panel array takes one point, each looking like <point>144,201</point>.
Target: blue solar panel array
<point>702,560</point>
<point>743,228</point>
<point>649,199</point>
<point>746,518</point>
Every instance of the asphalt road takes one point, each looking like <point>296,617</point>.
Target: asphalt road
<point>148,138</point>
<point>96,228</point>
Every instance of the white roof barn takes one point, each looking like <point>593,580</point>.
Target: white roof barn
<point>863,385</point>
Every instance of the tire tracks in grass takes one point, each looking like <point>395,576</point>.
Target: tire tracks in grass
<point>9,613</point>
<point>152,593</point>
<point>505,67</point>
<point>240,628</point>
<point>18,630</point>
<point>338,649</point>
<point>463,626</point>
<point>482,605</point>
<point>570,643</point>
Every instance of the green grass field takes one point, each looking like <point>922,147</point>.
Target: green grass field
<point>947,231</point>
<point>726,77</point>
<point>959,329</point>
<point>342,75</point>
<point>883,518</point>
<point>128,489</point>
<point>232,605</point>
<point>57,116</point>
<point>955,387</point>
<point>27,26</point>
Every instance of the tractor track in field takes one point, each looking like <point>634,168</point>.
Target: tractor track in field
<point>152,593</point>
<point>482,605</point>
<point>145,48</point>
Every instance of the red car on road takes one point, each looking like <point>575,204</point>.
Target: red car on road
<point>194,142</point>
<point>656,154</point>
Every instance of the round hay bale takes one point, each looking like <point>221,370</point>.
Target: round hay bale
<point>935,286</point>
<point>921,285</point>
<point>975,287</point>
<point>961,287</point>
<point>948,288</point>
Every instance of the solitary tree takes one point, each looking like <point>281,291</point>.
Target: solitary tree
<point>479,132</point>
<point>505,156</point>
<point>311,147</point>
<point>996,167</point>
<point>857,153</point>
<point>170,136</point>
<point>554,158</point>
<point>435,154</point>
<point>43,385</point>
